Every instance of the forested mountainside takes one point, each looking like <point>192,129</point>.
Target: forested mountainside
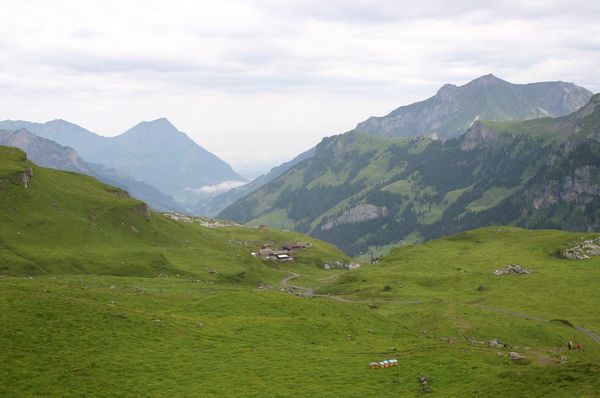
<point>361,191</point>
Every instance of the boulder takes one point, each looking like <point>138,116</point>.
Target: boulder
<point>515,356</point>
<point>582,251</point>
<point>511,269</point>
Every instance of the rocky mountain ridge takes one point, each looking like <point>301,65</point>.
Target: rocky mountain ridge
<point>454,108</point>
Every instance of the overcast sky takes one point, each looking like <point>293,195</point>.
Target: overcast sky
<point>257,82</point>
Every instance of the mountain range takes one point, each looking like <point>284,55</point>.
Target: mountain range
<point>362,191</point>
<point>101,296</point>
<point>47,153</point>
<point>163,166</point>
<point>155,153</point>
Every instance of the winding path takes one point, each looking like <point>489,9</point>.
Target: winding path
<point>309,292</point>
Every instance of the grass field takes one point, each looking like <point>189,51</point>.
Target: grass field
<point>97,299</point>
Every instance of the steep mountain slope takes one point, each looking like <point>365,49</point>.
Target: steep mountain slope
<point>221,201</point>
<point>153,152</point>
<point>361,191</point>
<point>453,109</point>
<point>47,153</point>
<point>57,222</point>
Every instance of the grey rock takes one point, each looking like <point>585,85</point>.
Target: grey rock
<point>515,356</point>
<point>511,269</point>
<point>583,251</point>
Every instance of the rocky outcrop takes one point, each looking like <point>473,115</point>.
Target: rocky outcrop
<point>511,269</point>
<point>477,136</point>
<point>582,251</point>
<point>25,176</point>
<point>358,214</point>
<point>517,357</point>
<point>143,210</point>
<point>340,265</point>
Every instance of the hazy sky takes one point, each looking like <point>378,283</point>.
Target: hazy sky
<point>257,82</point>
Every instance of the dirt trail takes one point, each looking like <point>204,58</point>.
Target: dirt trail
<point>588,332</point>
<point>285,280</point>
<point>330,277</point>
<point>594,336</point>
<point>309,292</point>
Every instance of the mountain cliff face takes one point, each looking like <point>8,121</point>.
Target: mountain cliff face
<point>47,153</point>
<point>361,191</point>
<point>155,153</point>
<point>453,109</point>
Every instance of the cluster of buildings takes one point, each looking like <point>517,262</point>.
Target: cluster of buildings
<point>284,253</point>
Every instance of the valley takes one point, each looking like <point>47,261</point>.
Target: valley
<point>259,199</point>
<point>100,296</point>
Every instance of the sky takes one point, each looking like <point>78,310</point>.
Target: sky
<point>257,82</point>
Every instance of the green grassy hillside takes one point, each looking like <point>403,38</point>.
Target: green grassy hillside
<point>99,298</point>
<point>74,335</point>
<point>66,223</point>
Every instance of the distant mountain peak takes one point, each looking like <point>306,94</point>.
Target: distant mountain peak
<point>160,121</point>
<point>487,80</point>
<point>156,128</point>
<point>489,76</point>
<point>59,121</point>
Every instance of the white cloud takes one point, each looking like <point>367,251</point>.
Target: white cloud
<point>217,188</point>
<point>267,79</point>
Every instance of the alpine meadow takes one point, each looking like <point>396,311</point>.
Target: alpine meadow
<point>351,204</point>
